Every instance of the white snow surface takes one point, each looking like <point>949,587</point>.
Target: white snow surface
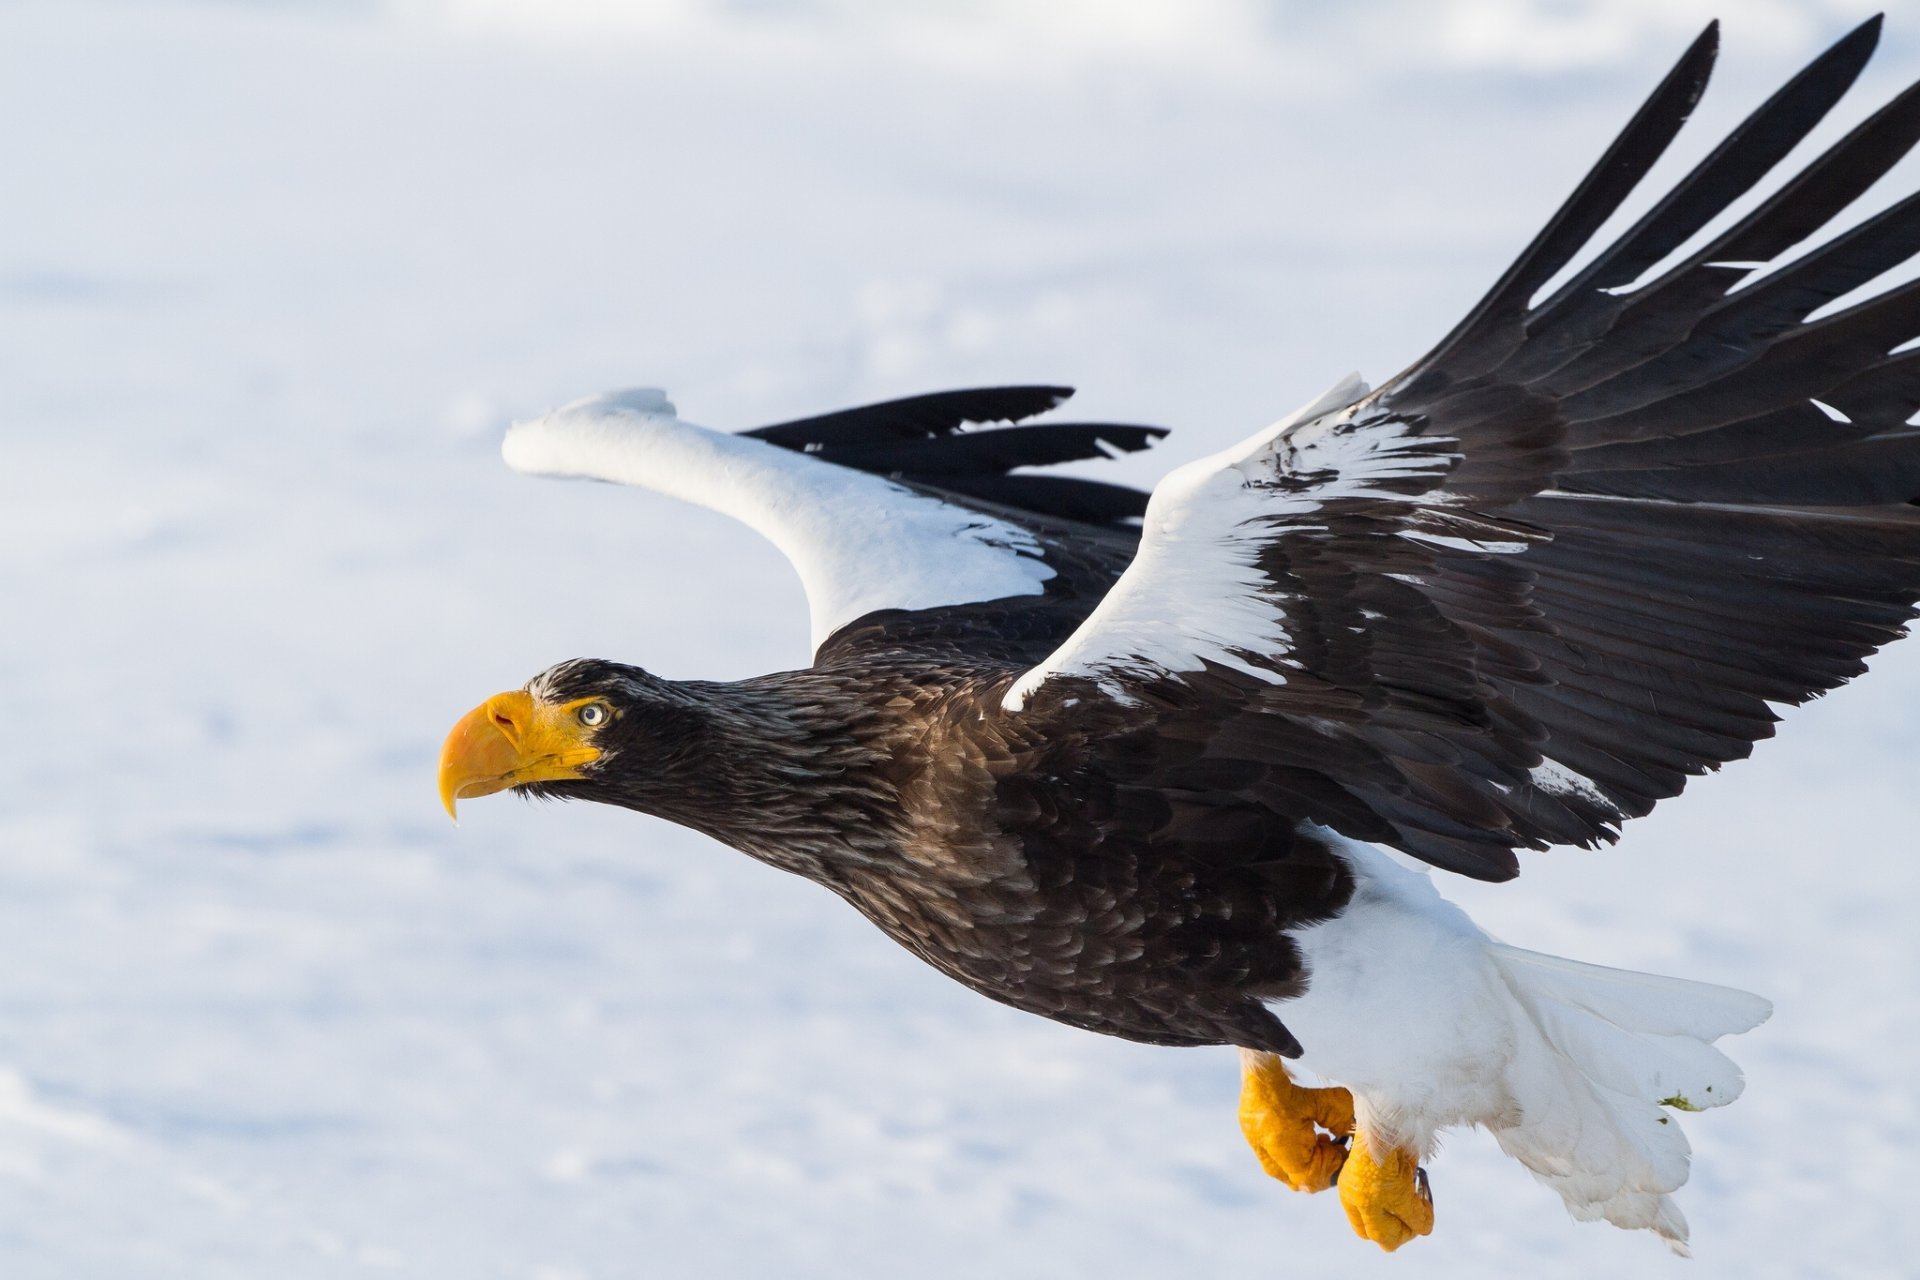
<point>273,281</point>
<point>859,542</point>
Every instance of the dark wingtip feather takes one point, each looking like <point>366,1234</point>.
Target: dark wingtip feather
<point>1746,155</point>
<point>1493,326</point>
<point>998,449</point>
<point>919,417</point>
<point>920,439</point>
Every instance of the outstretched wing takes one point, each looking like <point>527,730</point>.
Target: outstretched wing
<point>920,441</point>
<point>1563,563</point>
<point>906,529</point>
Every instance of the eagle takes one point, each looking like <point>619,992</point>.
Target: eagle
<point>1180,768</point>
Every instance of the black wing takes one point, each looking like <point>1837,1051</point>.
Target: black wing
<point>920,440</point>
<point>1085,528</point>
<point>1564,562</point>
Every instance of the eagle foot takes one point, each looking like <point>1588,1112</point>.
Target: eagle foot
<point>1298,1133</point>
<point>1387,1198</point>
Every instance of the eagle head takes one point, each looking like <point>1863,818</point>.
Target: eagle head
<point>561,734</point>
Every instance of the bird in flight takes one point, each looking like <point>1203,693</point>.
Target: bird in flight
<point>1176,768</point>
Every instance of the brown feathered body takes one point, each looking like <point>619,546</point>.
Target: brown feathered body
<point>1042,859</point>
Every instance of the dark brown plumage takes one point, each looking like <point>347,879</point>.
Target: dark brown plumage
<point>1062,866</point>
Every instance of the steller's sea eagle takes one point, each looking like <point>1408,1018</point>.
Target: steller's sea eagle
<point>1143,765</point>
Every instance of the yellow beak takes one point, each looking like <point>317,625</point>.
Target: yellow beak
<point>508,741</point>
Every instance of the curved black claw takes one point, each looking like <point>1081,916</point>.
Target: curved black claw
<point>1421,1185</point>
<point>1343,1141</point>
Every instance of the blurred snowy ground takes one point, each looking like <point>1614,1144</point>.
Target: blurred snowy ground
<point>273,278</point>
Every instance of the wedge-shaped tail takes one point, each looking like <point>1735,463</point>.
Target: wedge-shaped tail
<point>1616,1054</point>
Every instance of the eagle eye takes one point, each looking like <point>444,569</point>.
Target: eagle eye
<point>593,715</point>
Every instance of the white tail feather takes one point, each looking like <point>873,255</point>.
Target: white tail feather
<point>1646,1002</point>
<point>1578,1071</point>
<point>1615,1050</point>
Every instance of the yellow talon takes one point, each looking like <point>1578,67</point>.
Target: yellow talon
<point>1386,1199</point>
<point>1291,1128</point>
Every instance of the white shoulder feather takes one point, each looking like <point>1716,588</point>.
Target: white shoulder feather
<point>1194,594</point>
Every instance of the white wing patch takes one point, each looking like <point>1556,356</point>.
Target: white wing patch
<point>1195,593</point>
<point>1556,779</point>
<point>859,542</point>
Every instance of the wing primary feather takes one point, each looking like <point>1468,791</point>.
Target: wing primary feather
<point>1745,156</point>
<point>1492,327</point>
<point>1766,323</point>
<point>1622,332</point>
<point>938,413</point>
<point>995,450</point>
<point>1804,363</point>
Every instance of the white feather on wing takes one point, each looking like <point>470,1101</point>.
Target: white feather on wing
<point>859,542</point>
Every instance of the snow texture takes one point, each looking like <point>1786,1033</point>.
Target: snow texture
<point>273,282</point>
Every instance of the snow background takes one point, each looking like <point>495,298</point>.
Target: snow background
<point>273,277</point>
